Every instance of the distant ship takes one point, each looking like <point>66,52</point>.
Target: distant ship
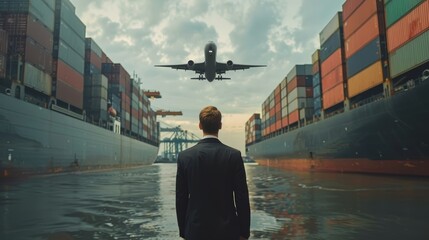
<point>367,111</point>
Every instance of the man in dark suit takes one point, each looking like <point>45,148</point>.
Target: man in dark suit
<point>212,199</point>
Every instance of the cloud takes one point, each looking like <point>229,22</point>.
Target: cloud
<point>141,33</point>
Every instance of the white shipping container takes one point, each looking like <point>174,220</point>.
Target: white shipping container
<point>297,92</point>
<point>284,112</point>
<point>127,116</point>
<point>284,102</point>
<point>37,79</point>
<point>331,27</point>
<point>283,93</point>
<point>299,70</point>
<point>283,83</point>
<point>297,104</point>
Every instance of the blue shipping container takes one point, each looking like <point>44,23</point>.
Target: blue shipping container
<point>331,45</point>
<point>365,57</point>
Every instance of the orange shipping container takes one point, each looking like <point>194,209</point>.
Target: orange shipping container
<point>293,116</point>
<point>285,122</point>
<point>333,96</point>
<point>349,7</point>
<point>331,62</point>
<point>277,99</point>
<point>298,81</point>
<point>277,90</point>
<point>279,124</point>
<point>359,17</point>
<point>278,107</point>
<point>362,36</point>
<point>409,27</point>
<point>69,94</point>
<point>333,79</point>
<point>70,76</point>
<point>367,79</point>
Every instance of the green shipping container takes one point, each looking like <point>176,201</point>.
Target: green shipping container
<point>68,16</point>
<point>396,9</point>
<point>41,10</point>
<point>76,42</point>
<point>409,56</point>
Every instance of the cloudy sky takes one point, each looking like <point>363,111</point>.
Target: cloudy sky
<point>141,33</point>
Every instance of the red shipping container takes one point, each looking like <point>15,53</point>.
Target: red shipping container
<point>4,40</point>
<point>332,62</point>
<point>69,94</point>
<point>349,7</point>
<point>37,31</point>
<point>298,81</point>
<point>309,92</point>
<point>408,27</point>
<point>277,99</point>
<point>359,17</point>
<point>38,56</point>
<point>285,121</point>
<point>333,96</point>
<point>272,112</point>
<point>279,124</point>
<point>293,116</point>
<point>334,78</point>
<point>278,107</point>
<point>70,76</point>
<point>2,65</point>
<point>366,33</point>
<point>134,113</point>
<point>93,59</point>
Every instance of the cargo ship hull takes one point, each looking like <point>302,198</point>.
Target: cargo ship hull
<point>387,136</point>
<point>36,140</point>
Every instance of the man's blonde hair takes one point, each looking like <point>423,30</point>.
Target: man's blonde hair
<point>210,119</point>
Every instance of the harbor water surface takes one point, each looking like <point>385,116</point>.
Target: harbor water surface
<point>140,204</point>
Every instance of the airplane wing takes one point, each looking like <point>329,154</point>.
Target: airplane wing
<point>197,67</point>
<point>223,67</point>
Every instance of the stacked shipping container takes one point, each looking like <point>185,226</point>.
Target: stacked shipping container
<point>49,55</point>
<point>300,93</point>
<point>120,86</point>
<point>96,84</point>
<point>29,26</point>
<point>253,129</point>
<point>364,37</point>
<point>4,40</point>
<point>317,86</point>
<point>332,63</point>
<point>69,56</point>
<point>407,35</point>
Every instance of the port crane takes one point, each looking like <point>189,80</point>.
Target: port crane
<point>164,113</point>
<point>178,141</point>
<point>152,94</point>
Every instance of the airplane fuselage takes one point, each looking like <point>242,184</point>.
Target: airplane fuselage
<point>210,61</point>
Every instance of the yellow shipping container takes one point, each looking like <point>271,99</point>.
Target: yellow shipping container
<point>366,79</point>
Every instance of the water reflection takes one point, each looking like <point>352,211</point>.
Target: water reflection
<point>139,204</point>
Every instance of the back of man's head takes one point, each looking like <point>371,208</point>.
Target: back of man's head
<point>210,120</point>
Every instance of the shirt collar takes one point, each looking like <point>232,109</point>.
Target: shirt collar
<point>210,136</point>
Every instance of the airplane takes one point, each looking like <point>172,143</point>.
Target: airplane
<point>209,68</point>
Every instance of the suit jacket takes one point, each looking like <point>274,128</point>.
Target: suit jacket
<point>210,178</point>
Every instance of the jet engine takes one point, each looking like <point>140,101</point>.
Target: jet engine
<point>190,64</point>
<point>229,64</point>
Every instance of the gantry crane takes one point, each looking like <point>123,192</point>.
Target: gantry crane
<point>152,94</point>
<point>164,113</point>
<point>177,142</point>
